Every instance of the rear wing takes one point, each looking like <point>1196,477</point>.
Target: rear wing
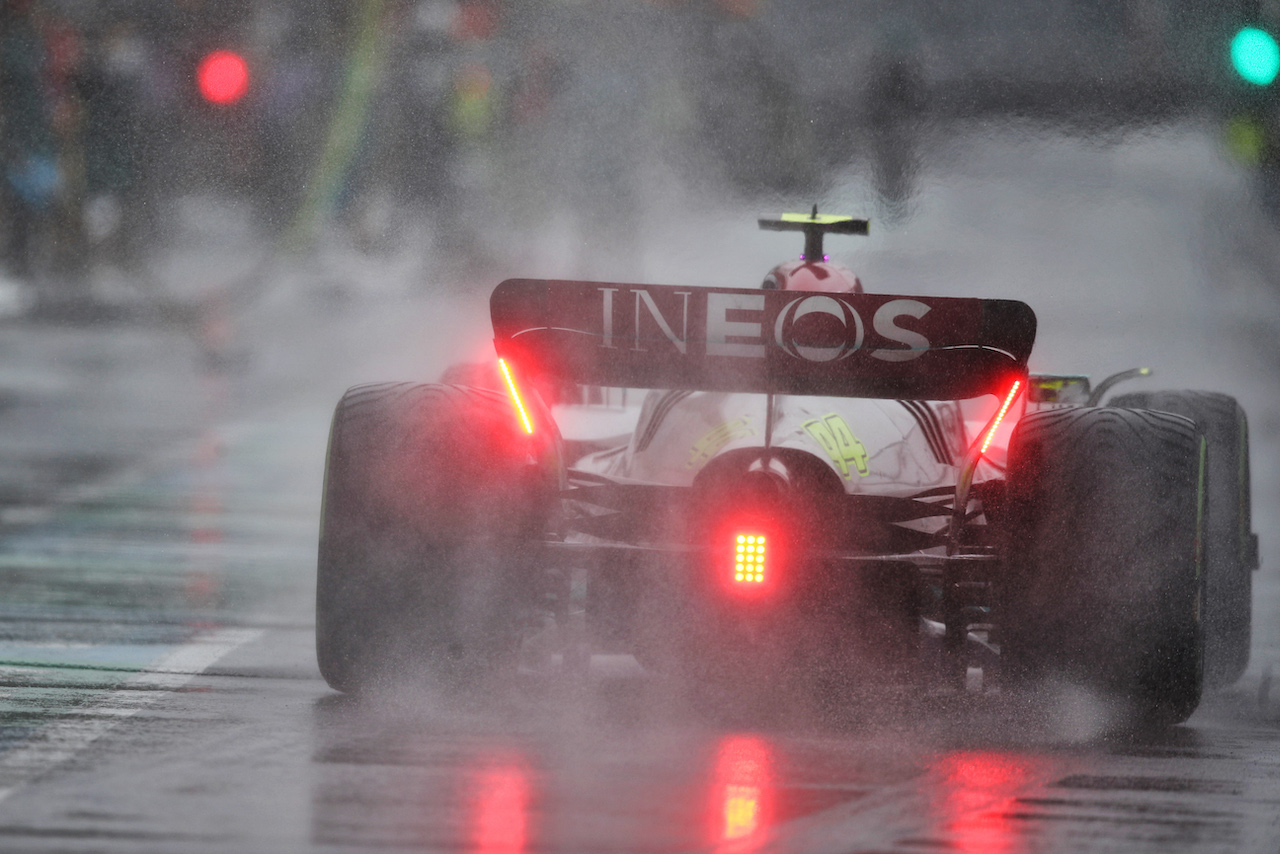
<point>785,342</point>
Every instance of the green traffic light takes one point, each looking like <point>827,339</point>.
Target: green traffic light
<point>1255,56</point>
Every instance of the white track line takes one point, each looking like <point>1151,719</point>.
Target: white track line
<point>58,742</point>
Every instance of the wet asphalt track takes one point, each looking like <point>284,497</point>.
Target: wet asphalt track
<point>158,690</point>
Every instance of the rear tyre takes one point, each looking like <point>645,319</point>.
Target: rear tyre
<point>424,566</point>
<point>1230,552</point>
<point>1102,586</point>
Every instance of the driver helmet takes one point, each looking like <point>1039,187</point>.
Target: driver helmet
<point>805,275</point>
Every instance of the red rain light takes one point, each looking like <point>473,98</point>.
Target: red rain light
<point>223,77</point>
<point>515,397</point>
<point>995,425</point>
<point>749,559</point>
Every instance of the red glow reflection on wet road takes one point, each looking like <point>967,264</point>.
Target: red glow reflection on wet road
<point>500,815</point>
<point>977,791</point>
<point>207,504</point>
<point>742,790</point>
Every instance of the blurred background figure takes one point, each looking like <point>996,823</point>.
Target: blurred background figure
<point>31,179</point>
<point>895,109</point>
<point>118,215</point>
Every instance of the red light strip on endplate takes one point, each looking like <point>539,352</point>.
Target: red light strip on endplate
<point>995,425</point>
<point>515,396</point>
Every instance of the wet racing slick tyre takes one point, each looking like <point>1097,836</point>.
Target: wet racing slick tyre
<point>1102,584</point>
<point>429,501</point>
<point>1230,552</point>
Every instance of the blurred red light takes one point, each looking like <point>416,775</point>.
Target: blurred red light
<point>744,783</point>
<point>223,77</point>
<point>975,798</point>
<point>741,811</point>
<point>515,397</point>
<point>500,819</point>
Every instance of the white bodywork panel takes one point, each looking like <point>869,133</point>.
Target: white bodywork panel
<point>883,447</point>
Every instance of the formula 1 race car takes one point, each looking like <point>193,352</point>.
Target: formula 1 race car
<point>800,484</point>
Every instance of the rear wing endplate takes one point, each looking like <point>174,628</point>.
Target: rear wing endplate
<point>785,342</point>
